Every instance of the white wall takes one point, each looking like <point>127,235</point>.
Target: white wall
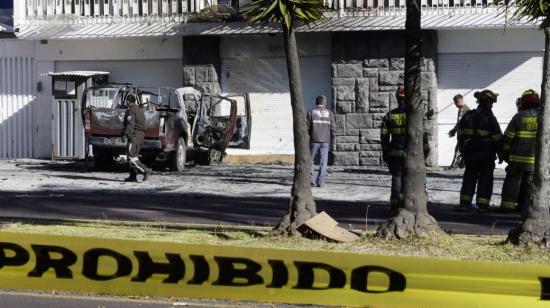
<point>111,49</point>
<point>509,40</point>
<point>44,110</point>
<point>507,62</point>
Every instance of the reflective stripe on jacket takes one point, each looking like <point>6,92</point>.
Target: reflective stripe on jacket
<point>393,133</point>
<point>518,143</point>
<point>321,124</point>
<point>479,134</point>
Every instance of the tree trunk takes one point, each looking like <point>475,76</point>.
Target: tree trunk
<point>301,205</point>
<point>535,227</point>
<point>413,218</point>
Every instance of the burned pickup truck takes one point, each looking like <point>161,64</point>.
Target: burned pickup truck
<point>181,124</point>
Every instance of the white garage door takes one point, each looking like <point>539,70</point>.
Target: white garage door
<point>508,74</point>
<point>154,73</point>
<point>267,82</point>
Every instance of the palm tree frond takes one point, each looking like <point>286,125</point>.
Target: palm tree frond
<point>526,10</point>
<point>284,11</point>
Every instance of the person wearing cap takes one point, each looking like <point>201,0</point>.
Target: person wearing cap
<point>134,134</point>
<point>518,149</point>
<point>321,124</point>
<point>479,138</point>
<point>458,100</point>
<point>393,133</point>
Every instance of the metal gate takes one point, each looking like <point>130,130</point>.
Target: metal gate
<point>16,107</point>
<point>68,131</point>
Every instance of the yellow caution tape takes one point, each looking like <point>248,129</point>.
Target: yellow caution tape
<point>131,267</point>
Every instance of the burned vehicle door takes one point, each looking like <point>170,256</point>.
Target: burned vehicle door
<point>214,122</point>
<point>241,134</point>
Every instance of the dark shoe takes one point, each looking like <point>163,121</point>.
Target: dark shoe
<point>461,208</point>
<point>131,179</point>
<point>313,185</point>
<point>320,185</point>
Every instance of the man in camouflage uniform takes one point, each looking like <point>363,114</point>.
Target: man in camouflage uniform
<point>134,133</point>
<point>393,133</point>
<point>479,137</point>
<point>518,149</point>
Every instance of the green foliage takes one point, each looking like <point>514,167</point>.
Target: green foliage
<point>284,11</point>
<point>531,10</point>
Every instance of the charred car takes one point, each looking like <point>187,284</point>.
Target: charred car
<point>181,124</point>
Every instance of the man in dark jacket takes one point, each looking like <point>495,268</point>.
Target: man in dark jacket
<point>479,138</point>
<point>134,134</point>
<point>321,125</point>
<point>518,150</point>
<point>393,134</point>
<point>458,100</point>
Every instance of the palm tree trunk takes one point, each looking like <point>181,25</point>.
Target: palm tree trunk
<point>413,218</point>
<point>535,227</point>
<point>301,206</point>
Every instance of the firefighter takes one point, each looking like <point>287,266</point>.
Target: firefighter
<point>134,134</point>
<point>479,138</point>
<point>518,149</point>
<point>393,134</point>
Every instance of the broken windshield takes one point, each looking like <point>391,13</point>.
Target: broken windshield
<point>101,98</point>
<point>159,98</point>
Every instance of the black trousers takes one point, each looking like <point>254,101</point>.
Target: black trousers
<point>516,187</point>
<point>396,171</point>
<point>134,147</point>
<point>477,174</point>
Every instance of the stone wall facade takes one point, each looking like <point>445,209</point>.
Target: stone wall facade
<point>201,63</point>
<point>367,69</point>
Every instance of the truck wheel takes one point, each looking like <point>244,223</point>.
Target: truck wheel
<point>103,159</point>
<point>177,158</point>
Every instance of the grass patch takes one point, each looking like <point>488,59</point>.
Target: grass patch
<point>462,247</point>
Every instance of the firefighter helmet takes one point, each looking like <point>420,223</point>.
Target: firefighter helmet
<point>530,97</point>
<point>486,96</point>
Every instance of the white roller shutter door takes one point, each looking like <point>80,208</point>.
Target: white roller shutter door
<point>508,74</point>
<point>266,80</point>
<point>17,107</point>
<point>154,73</point>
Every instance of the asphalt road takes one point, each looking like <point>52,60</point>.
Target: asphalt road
<point>225,194</point>
<point>213,209</point>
